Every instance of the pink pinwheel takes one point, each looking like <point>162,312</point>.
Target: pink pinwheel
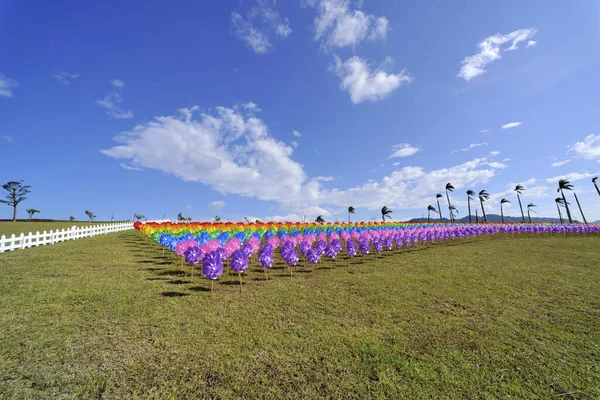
<point>181,248</point>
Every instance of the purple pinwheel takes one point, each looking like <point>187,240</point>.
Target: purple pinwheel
<point>239,262</point>
<point>193,255</point>
<point>265,259</point>
<point>350,248</point>
<point>292,258</point>
<point>247,249</point>
<point>363,246</point>
<point>337,245</point>
<point>320,247</point>
<point>330,251</point>
<point>378,244</point>
<point>212,266</point>
<point>221,253</point>
<point>313,256</point>
<point>304,246</point>
<point>389,243</point>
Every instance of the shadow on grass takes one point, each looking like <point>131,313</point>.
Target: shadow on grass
<point>156,262</point>
<point>157,279</point>
<point>150,269</point>
<point>179,282</point>
<point>172,273</point>
<point>199,289</point>
<point>174,294</point>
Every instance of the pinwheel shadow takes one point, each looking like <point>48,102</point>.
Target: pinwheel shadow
<point>174,294</point>
<point>199,289</point>
<point>179,282</point>
<point>172,273</point>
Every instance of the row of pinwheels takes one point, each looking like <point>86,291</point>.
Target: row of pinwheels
<point>238,244</point>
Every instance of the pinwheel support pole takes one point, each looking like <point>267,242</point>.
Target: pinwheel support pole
<point>211,287</point>
<point>241,287</point>
<point>163,251</point>
<point>266,277</point>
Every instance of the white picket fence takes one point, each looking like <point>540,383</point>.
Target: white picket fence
<point>23,241</point>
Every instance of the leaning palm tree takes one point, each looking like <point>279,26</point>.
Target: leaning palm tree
<point>560,202</point>
<point>320,219</point>
<point>580,210</point>
<point>385,212</point>
<point>438,196</point>
<point>503,202</point>
<point>519,189</point>
<point>563,185</point>
<point>470,197</point>
<point>529,209</point>
<point>453,211</point>
<point>430,208</point>
<point>594,179</point>
<point>483,196</point>
<point>450,188</point>
<point>350,211</point>
<point>217,218</point>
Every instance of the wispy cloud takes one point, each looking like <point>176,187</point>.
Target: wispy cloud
<point>261,23</point>
<point>511,125</point>
<point>490,51</point>
<point>8,139</point>
<point>588,149</point>
<point>339,24</point>
<point>111,102</point>
<point>294,144</point>
<point>531,43</point>
<point>559,163</point>
<point>217,204</point>
<point>484,131</point>
<point>6,86</point>
<point>129,167</point>
<point>403,150</point>
<point>65,78</point>
<point>471,147</point>
<point>324,178</point>
<point>296,133</point>
<point>571,177</point>
<point>495,164</point>
<point>365,83</point>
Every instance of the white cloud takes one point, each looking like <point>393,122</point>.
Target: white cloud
<point>484,131</point>
<point>588,149</point>
<point>471,147</point>
<point>494,153</point>
<point>338,24</point>
<point>284,218</point>
<point>64,78</point>
<point>559,163</point>
<point>490,51</point>
<point>324,178</point>
<point>129,167</point>
<point>262,22</point>
<point>496,165</point>
<point>294,144</point>
<point>6,84</point>
<point>296,133</point>
<point>233,152</point>
<point>365,84</point>
<point>111,102</point>
<point>571,177</point>
<point>511,125</point>
<point>8,139</point>
<point>189,207</point>
<point>403,150</point>
<point>396,164</point>
<point>531,43</point>
<point>217,204</point>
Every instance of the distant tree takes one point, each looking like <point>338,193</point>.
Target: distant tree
<point>138,217</point>
<point>16,192</point>
<point>430,208</point>
<point>217,218</point>
<point>563,185</point>
<point>560,202</point>
<point>31,211</point>
<point>483,196</point>
<point>438,196</point>
<point>350,211</point>
<point>470,197</point>
<point>502,203</point>
<point>450,188</point>
<point>594,179</point>
<point>320,219</point>
<point>385,213</point>
<point>90,215</point>
<point>519,189</point>
<point>72,218</point>
<point>454,211</point>
<point>529,210</point>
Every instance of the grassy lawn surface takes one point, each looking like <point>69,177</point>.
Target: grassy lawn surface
<point>111,317</point>
<point>7,228</point>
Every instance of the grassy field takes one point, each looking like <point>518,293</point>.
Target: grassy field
<point>8,228</point>
<point>110,317</point>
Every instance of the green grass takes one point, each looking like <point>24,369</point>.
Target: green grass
<point>8,227</point>
<point>111,317</point>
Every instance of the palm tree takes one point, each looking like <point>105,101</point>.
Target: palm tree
<point>594,179</point>
<point>430,208</point>
<point>90,215</point>
<point>502,202</point>
<point>217,218</point>
<point>483,196</point>
<point>385,212</point>
<point>438,196</point>
<point>350,211</point>
<point>450,188</point>
<point>470,195</point>
<point>529,209</point>
<point>564,184</point>
<point>580,210</point>
<point>138,217</point>
<point>560,202</point>
<point>320,219</point>
<point>31,211</point>
<point>453,210</point>
<point>519,189</point>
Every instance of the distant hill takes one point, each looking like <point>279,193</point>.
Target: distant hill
<point>493,218</point>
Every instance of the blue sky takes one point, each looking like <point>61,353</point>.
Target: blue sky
<point>276,110</point>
